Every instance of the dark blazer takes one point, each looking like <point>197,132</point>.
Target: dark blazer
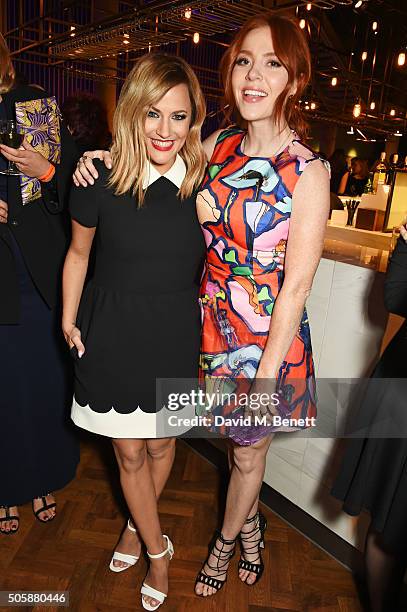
<point>40,227</point>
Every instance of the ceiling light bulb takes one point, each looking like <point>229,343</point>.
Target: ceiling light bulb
<point>364,56</point>
<point>303,23</point>
<point>372,105</point>
<point>357,109</point>
<point>401,60</point>
<point>374,26</point>
<point>313,105</point>
<point>358,3</point>
<point>188,14</point>
<point>196,38</point>
<point>309,6</point>
<point>334,81</point>
<point>392,112</point>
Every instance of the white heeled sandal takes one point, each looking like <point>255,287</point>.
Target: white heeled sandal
<point>149,591</point>
<point>118,556</point>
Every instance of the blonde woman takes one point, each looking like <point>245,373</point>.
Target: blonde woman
<point>138,317</point>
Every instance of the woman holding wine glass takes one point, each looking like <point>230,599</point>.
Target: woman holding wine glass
<point>38,452</point>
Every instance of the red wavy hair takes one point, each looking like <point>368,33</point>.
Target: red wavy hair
<point>291,48</point>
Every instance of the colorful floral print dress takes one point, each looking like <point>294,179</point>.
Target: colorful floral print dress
<point>244,208</point>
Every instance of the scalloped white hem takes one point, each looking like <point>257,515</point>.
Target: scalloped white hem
<point>137,424</point>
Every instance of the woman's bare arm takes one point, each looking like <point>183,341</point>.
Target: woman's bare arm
<point>342,184</point>
<point>209,144</point>
<point>310,210</point>
<point>73,278</point>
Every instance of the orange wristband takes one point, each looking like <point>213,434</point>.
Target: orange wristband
<point>48,175</point>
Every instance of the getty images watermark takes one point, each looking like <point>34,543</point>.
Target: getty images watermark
<point>259,409</point>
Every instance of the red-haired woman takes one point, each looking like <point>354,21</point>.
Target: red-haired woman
<point>263,208</point>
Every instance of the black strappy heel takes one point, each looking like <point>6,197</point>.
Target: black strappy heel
<point>9,517</point>
<point>223,559</point>
<point>254,546</point>
<point>45,506</point>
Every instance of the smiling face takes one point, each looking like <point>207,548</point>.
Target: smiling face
<point>258,77</point>
<point>166,127</point>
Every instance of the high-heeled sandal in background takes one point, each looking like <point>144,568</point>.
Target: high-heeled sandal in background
<point>45,506</point>
<point>9,517</point>
<point>150,591</point>
<point>223,559</point>
<point>118,556</point>
<point>251,546</point>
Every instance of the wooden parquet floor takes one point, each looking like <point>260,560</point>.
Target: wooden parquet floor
<point>73,552</point>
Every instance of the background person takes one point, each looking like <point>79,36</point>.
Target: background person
<point>86,120</point>
<point>339,167</point>
<point>373,474</point>
<point>354,181</point>
<point>38,451</point>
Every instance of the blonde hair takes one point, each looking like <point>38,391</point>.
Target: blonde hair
<point>150,79</point>
<point>7,73</point>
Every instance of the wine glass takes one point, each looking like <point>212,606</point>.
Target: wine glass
<point>11,135</point>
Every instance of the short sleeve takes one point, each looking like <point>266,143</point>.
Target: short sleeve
<point>84,202</point>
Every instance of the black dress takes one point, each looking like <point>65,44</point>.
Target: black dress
<point>139,315</point>
<point>39,452</point>
<point>355,186</point>
<point>373,475</point>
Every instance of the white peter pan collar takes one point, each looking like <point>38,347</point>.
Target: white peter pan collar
<point>175,174</point>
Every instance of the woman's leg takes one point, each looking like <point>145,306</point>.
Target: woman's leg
<point>245,575</point>
<point>161,455</point>
<point>244,486</point>
<point>139,491</point>
<point>384,574</point>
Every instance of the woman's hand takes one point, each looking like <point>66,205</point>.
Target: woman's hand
<point>263,398</point>
<point>86,172</point>
<point>27,159</point>
<point>73,338</point>
<point>3,211</point>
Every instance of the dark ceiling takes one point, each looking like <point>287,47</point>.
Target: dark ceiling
<point>78,35</point>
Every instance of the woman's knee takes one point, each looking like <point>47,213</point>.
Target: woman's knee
<point>249,459</point>
<point>130,457</point>
<point>158,449</point>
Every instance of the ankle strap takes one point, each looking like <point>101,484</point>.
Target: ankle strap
<point>224,541</point>
<point>130,527</point>
<point>253,518</point>
<point>164,552</point>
